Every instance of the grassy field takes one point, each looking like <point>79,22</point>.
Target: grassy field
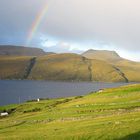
<point>113,114</point>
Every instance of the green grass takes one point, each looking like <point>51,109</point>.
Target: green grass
<point>113,114</point>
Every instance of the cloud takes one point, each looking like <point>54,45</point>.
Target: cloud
<point>51,45</point>
<point>60,47</point>
<point>101,24</point>
<point>115,22</point>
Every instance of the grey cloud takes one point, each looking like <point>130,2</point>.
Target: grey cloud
<point>60,47</point>
<point>113,22</point>
<point>104,20</point>
<point>18,15</point>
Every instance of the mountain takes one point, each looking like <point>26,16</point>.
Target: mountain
<point>14,67</point>
<point>64,67</point>
<point>129,68</point>
<point>10,50</point>
<point>73,67</point>
<point>109,56</point>
<point>93,65</point>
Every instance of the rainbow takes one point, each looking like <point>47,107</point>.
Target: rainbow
<point>36,24</point>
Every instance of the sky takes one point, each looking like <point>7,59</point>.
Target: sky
<point>72,25</point>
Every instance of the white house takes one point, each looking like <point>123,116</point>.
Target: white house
<point>4,114</point>
<point>100,90</point>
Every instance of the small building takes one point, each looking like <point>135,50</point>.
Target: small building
<point>100,90</point>
<point>38,100</point>
<point>4,114</point>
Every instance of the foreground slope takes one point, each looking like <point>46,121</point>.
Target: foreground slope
<point>113,114</point>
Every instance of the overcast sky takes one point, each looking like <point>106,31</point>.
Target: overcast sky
<point>74,25</point>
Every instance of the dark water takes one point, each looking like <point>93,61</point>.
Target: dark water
<point>19,91</point>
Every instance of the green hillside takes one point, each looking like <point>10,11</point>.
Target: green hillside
<point>14,67</point>
<point>130,69</point>
<point>103,71</point>
<point>68,67</point>
<point>113,114</point>
<point>73,67</point>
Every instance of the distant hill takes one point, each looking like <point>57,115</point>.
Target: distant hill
<point>64,67</point>
<point>20,51</point>
<point>109,56</point>
<point>93,65</point>
<point>14,67</point>
<point>73,67</point>
<point>131,69</point>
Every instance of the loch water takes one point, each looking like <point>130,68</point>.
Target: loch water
<point>16,91</point>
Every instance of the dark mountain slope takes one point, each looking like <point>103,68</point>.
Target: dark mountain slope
<point>20,51</point>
